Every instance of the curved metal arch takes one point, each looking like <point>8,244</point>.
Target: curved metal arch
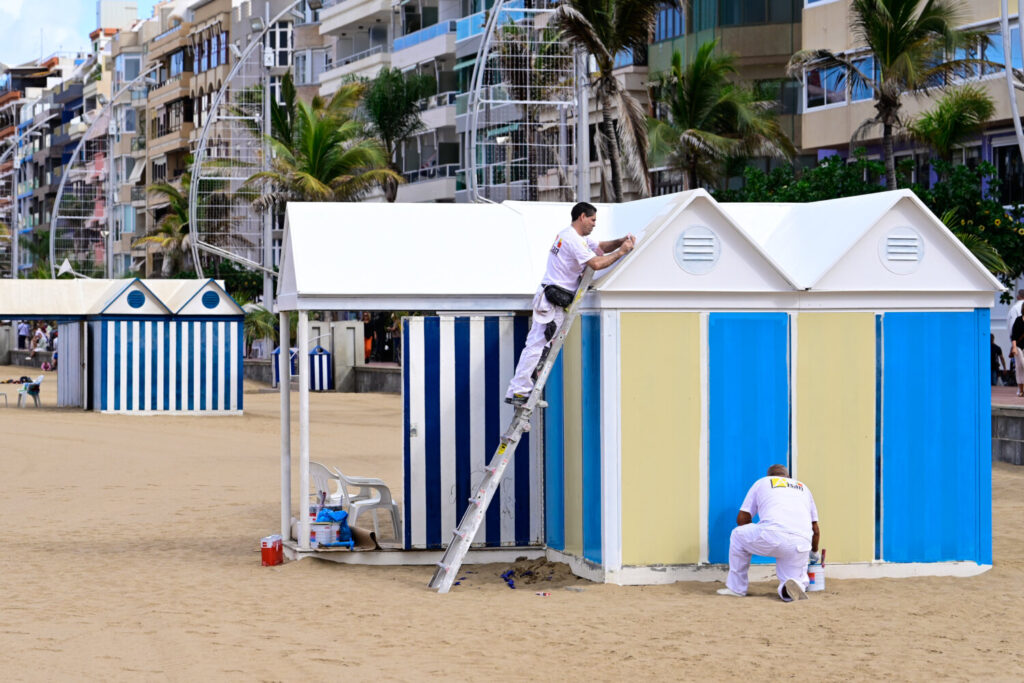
<point>530,105</point>
<point>201,151</point>
<point>104,117</point>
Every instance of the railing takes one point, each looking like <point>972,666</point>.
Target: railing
<point>431,173</point>
<point>440,100</point>
<point>173,29</point>
<point>342,61</point>
<point>138,193</point>
<point>425,34</point>
<point>474,24</point>
<point>138,143</point>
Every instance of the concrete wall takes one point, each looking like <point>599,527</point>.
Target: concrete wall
<point>378,380</point>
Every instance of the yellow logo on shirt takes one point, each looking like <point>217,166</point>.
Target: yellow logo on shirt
<point>782,482</point>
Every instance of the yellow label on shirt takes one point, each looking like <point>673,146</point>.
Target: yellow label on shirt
<point>782,482</point>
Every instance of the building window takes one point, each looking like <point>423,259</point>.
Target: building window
<point>309,16</point>
<point>204,46</point>
<point>824,87</point>
<point>669,23</point>
<point>214,50</point>
<point>223,47</point>
<point>1010,170</point>
<point>279,39</point>
<point>859,90</point>
<point>275,89</point>
<point>159,171</point>
<point>177,63</point>
<point>126,69</point>
<point>301,68</point>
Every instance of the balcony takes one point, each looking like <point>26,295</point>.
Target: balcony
<point>67,92</point>
<point>347,13</point>
<point>173,88</point>
<point>138,143</point>
<point>425,44</point>
<point>474,24</point>
<point>429,184</point>
<point>171,141</point>
<point>438,111</point>
<point>138,195</point>
<point>364,64</point>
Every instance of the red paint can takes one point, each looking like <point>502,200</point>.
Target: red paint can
<point>271,551</point>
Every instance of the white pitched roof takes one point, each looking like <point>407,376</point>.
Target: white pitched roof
<point>82,297</point>
<point>809,240</point>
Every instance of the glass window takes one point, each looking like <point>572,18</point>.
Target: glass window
<point>859,90</point>
<point>668,24</point>
<point>279,39</point>
<point>1010,170</point>
<point>214,51</point>
<point>177,63</point>
<point>301,65</point>
<point>130,121</point>
<point>224,47</point>
<point>825,86</point>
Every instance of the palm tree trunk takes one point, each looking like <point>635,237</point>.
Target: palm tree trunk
<point>890,161</point>
<point>612,149</point>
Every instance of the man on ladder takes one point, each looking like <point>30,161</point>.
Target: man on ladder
<point>572,251</point>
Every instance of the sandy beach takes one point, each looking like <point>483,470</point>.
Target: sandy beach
<point>132,554</point>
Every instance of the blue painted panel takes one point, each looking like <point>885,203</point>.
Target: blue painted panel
<point>493,389</point>
<point>432,431</point>
<point>936,440</point>
<point>520,328</point>
<point>463,388</point>
<point>749,413</point>
<point>590,336</point>
<point>554,457</point>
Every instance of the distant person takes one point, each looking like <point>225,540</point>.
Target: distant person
<point>572,251</point>
<point>787,531</point>
<point>24,330</point>
<point>39,340</point>
<point>998,361</point>
<point>1016,353</point>
<point>367,337</point>
<point>1015,311</point>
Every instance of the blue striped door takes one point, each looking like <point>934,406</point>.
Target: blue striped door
<point>455,372</point>
<point>748,413</point>
<point>171,365</point>
<point>936,497</point>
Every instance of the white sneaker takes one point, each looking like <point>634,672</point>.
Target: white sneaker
<point>795,590</point>
<point>729,591</point>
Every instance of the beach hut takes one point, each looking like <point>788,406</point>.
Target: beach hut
<point>139,346</point>
<point>734,337</point>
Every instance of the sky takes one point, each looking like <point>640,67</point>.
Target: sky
<point>56,25</point>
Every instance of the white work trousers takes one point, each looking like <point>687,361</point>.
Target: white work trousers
<point>543,313</point>
<point>789,550</point>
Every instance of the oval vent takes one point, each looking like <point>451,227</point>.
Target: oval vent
<point>697,250</point>
<point>901,250</point>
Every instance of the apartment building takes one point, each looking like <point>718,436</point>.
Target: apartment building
<point>832,109</point>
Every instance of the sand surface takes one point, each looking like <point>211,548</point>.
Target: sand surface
<point>131,553</point>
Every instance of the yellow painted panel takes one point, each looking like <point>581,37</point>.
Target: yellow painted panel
<point>660,422</point>
<point>572,368</point>
<point>835,425</point>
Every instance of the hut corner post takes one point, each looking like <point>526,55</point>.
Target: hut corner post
<point>285,386</point>
<point>303,362</point>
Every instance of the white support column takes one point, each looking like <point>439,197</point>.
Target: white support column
<point>611,442</point>
<point>303,429</point>
<point>285,387</point>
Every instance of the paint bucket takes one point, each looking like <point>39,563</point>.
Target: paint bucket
<point>816,575</point>
<point>271,553</point>
<point>320,532</point>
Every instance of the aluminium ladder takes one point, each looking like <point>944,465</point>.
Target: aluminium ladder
<point>451,562</point>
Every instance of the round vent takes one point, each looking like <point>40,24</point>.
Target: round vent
<point>136,299</point>
<point>901,250</point>
<point>211,299</point>
<point>697,250</point>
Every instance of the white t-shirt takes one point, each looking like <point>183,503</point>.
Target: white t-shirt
<point>568,258</point>
<point>1013,314</point>
<point>782,503</point>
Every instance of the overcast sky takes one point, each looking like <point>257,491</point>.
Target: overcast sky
<point>56,25</point>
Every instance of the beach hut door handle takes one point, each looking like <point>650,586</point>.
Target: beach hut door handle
<point>462,538</point>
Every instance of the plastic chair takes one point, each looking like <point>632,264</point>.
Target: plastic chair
<point>321,478</point>
<point>373,495</point>
<point>29,389</point>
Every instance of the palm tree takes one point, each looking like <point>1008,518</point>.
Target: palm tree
<point>391,104</point>
<point>603,29</point>
<point>980,247</point>
<point>331,159</point>
<point>909,41</point>
<point>259,323</point>
<point>957,116</point>
<point>171,234</point>
<point>711,118</point>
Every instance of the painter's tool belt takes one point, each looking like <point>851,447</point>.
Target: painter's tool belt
<point>559,296</point>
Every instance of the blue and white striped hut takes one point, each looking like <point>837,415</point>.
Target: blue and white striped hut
<point>139,346</point>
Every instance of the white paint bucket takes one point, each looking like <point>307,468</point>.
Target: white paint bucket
<point>320,532</point>
<point>816,575</point>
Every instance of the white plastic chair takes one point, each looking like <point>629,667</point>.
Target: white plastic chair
<point>373,495</point>
<point>30,389</point>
